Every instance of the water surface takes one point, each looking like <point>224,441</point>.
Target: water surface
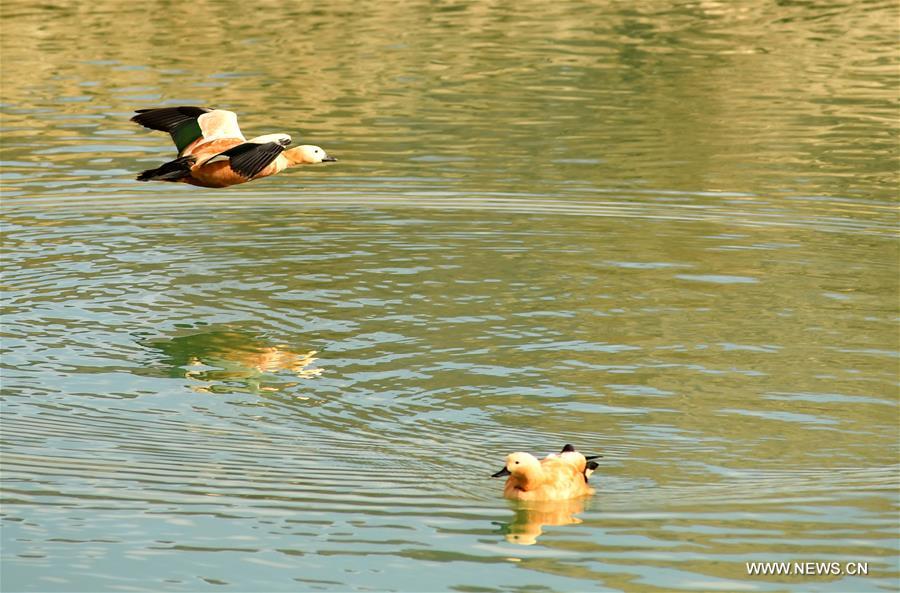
<point>663,232</point>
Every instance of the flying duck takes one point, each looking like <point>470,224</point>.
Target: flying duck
<point>212,151</point>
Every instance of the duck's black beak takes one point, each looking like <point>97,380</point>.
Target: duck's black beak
<point>501,473</point>
<point>329,159</point>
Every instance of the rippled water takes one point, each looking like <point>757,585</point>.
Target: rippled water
<point>664,232</point>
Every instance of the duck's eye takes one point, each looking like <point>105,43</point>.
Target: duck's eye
<point>517,463</point>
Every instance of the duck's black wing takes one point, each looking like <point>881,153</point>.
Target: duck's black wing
<point>249,159</point>
<point>180,122</point>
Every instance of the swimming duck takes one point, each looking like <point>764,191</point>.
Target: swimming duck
<point>558,476</point>
<point>212,151</point>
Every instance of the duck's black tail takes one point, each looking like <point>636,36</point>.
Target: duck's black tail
<point>589,469</point>
<point>171,171</point>
<point>590,465</point>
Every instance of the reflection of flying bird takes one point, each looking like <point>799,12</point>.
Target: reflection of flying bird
<point>243,364</point>
<point>556,477</point>
<point>274,359</point>
<point>232,360</point>
<point>212,151</point>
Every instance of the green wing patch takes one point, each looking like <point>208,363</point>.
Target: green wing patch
<point>180,122</point>
<point>185,133</point>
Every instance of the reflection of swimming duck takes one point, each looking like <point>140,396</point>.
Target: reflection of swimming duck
<point>556,477</point>
<point>212,150</point>
<point>532,515</point>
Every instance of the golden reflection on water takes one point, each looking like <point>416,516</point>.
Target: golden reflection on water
<point>224,360</point>
<point>531,516</point>
<point>251,366</point>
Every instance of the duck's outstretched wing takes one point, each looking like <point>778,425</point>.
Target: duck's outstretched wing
<point>250,158</point>
<point>186,125</point>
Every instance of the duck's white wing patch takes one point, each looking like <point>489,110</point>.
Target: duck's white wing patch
<point>215,159</point>
<point>283,139</point>
<point>219,124</point>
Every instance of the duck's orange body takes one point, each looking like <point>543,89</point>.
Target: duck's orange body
<point>212,150</point>
<point>556,477</point>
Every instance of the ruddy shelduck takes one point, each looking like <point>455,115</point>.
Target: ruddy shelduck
<point>212,151</point>
<point>559,476</point>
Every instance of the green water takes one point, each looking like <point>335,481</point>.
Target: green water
<point>662,231</point>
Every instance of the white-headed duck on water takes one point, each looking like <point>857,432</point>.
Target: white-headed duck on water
<point>212,151</point>
<point>559,476</point>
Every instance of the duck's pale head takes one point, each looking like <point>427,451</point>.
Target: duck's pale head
<point>308,154</point>
<point>519,464</point>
